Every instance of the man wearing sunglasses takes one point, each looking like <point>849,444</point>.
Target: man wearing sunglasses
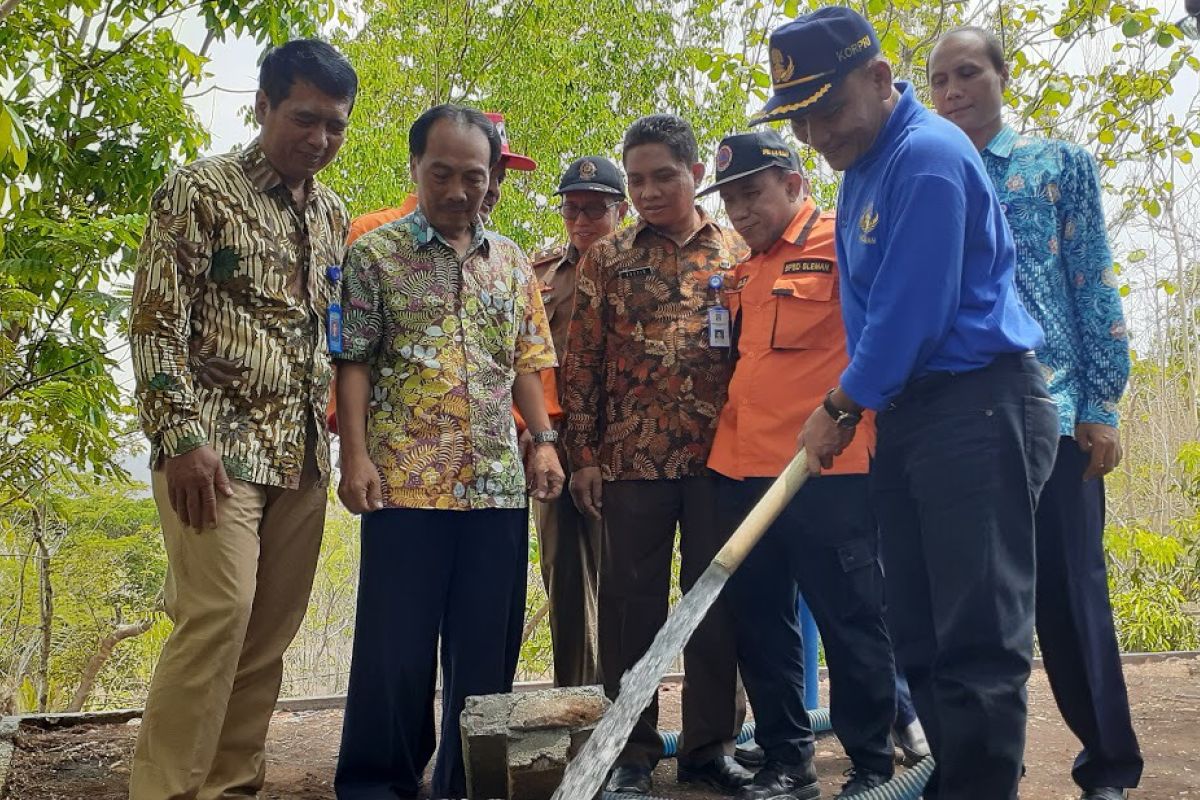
<point>592,204</point>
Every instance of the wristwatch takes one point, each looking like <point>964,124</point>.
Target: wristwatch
<point>548,436</point>
<point>843,419</point>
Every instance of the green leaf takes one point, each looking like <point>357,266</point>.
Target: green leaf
<point>1124,290</point>
<point>1131,27</point>
<point>1106,136</point>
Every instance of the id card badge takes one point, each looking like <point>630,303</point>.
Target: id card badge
<point>718,326</point>
<point>333,328</point>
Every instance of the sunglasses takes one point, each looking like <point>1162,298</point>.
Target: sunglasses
<point>571,211</point>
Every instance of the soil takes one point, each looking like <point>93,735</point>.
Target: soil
<point>91,762</point>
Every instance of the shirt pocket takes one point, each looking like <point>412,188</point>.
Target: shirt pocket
<point>806,313</point>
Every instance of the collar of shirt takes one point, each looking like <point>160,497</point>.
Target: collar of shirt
<point>1002,143</point>
<point>798,227</point>
<point>425,234</point>
<point>707,224</point>
<point>906,108</point>
<point>259,171</point>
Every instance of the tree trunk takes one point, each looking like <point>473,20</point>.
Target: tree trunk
<point>46,606</point>
<point>104,650</point>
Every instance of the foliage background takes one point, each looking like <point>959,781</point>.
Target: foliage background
<point>98,102</point>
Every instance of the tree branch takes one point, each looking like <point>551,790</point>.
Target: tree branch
<point>7,7</point>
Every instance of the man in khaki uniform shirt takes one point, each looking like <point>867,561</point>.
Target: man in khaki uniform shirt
<point>236,285</point>
<point>592,193</point>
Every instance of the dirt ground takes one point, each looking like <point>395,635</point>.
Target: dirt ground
<point>92,762</point>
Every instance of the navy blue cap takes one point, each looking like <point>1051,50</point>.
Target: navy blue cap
<point>592,174</point>
<point>747,153</point>
<point>812,54</point>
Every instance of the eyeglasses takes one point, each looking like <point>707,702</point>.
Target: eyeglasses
<point>571,211</point>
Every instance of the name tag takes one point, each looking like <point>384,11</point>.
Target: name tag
<point>810,265</point>
<point>718,326</point>
<point>333,328</point>
<point>634,272</point>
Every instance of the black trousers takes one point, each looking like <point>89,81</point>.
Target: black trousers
<point>426,574</point>
<point>825,545</point>
<point>1075,624</point>
<point>960,462</point>
<point>640,520</point>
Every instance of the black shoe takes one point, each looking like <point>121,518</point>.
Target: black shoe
<point>861,780</point>
<point>722,773</point>
<point>1105,793</point>
<point>777,781</point>
<point>750,755</point>
<point>630,779</point>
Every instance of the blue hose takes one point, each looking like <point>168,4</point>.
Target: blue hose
<point>817,717</point>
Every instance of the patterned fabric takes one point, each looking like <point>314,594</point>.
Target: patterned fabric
<point>231,268</point>
<point>642,388</point>
<point>556,271</point>
<point>1051,195</point>
<point>445,340</point>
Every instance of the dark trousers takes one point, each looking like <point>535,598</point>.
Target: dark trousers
<point>569,550</point>
<point>1075,624</point>
<point>825,545</point>
<point>640,518</point>
<point>425,574</point>
<point>906,712</point>
<point>960,462</point>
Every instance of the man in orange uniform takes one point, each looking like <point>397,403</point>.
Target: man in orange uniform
<point>783,305</point>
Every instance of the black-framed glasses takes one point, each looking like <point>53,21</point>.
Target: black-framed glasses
<point>571,211</point>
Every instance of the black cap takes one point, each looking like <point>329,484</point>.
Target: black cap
<point>747,153</point>
<point>592,174</point>
<point>812,54</point>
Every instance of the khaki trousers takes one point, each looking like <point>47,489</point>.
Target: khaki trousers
<point>237,595</point>
<point>569,545</point>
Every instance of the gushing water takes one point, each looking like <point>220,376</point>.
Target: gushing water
<point>585,774</point>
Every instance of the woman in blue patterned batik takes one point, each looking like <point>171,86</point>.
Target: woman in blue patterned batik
<point>1050,194</point>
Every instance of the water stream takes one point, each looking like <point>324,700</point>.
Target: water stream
<point>586,773</point>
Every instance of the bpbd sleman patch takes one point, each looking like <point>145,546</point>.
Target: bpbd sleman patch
<point>818,265</point>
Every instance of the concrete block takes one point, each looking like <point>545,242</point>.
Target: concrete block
<point>516,746</point>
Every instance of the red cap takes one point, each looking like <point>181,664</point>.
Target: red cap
<point>508,157</point>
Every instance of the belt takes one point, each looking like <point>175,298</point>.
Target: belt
<point>933,383</point>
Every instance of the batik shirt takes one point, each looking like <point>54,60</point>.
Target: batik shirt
<point>1050,194</point>
<point>641,386</point>
<point>230,267</point>
<point>445,338</point>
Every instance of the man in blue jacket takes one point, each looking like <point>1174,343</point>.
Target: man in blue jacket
<point>940,346</point>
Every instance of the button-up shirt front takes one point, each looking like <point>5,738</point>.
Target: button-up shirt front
<point>445,338</point>
<point>1050,193</point>
<point>791,348</point>
<point>642,387</point>
<point>231,268</point>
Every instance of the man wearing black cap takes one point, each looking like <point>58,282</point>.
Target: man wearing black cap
<point>790,345</point>
<point>592,192</point>
<point>940,346</point>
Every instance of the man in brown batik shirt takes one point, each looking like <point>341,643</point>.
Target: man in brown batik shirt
<point>643,384</point>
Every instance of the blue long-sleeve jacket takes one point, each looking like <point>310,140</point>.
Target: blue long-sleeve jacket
<point>926,258</point>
